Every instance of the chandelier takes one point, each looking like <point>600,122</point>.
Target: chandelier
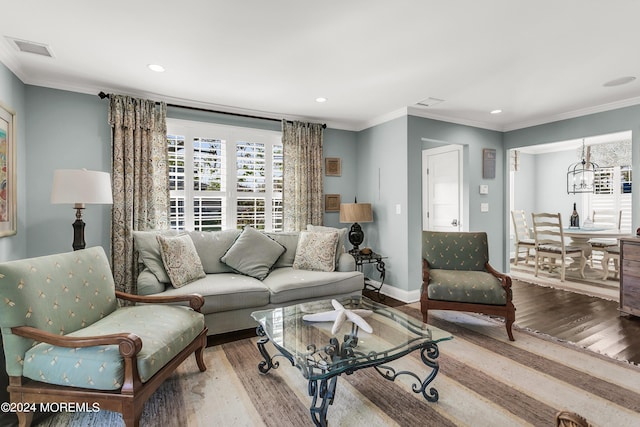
<point>581,175</point>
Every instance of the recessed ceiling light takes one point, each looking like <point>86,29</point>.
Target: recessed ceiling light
<point>619,81</point>
<point>157,68</point>
<point>496,111</point>
<point>321,99</point>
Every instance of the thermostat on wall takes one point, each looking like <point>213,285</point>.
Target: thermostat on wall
<point>484,189</point>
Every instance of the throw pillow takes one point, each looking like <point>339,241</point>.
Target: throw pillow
<point>316,251</point>
<point>342,235</point>
<point>211,246</point>
<point>180,259</point>
<point>148,249</point>
<point>253,253</point>
<point>290,242</point>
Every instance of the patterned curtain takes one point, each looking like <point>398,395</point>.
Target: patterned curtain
<point>140,179</point>
<point>302,193</point>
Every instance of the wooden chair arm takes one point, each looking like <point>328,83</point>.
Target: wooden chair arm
<point>425,274</point>
<point>128,344</point>
<point>196,301</point>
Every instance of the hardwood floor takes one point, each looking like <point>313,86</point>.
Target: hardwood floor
<point>593,323</point>
<point>590,322</point>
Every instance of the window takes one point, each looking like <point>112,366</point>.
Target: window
<point>224,177</point>
<point>612,193</point>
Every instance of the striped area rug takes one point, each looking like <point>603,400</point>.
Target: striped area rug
<point>484,380</point>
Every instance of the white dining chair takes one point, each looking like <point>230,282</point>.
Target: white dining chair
<point>550,245</point>
<point>523,239</point>
<point>607,219</point>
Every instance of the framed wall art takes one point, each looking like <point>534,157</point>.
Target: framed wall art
<point>332,203</point>
<point>332,166</point>
<point>488,163</point>
<point>8,200</point>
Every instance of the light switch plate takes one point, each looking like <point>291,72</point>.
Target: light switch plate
<point>484,207</point>
<point>484,189</point>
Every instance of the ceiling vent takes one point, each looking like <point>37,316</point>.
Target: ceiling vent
<point>31,47</point>
<point>430,102</point>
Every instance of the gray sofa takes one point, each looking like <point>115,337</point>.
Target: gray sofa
<point>247,270</point>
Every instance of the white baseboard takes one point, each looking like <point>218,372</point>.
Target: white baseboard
<point>396,293</point>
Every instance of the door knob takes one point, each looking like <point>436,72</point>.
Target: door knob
<point>454,222</point>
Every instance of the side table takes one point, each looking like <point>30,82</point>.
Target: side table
<point>371,258</point>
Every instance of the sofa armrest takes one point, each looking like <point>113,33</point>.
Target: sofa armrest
<point>346,262</point>
<point>196,301</point>
<point>128,344</point>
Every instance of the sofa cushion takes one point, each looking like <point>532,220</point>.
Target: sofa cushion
<point>148,283</point>
<point>316,251</point>
<point>288,284</point>
<point>253,253</point>
<point>164,329</point>
<point>226,291</point>
<point>465,286</point>
<point>180,259</point>
<point>211,246</point>
<point>290,242</point>
<point>146,244</point>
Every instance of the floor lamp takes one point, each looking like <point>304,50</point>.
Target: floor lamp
<point>80,187</point>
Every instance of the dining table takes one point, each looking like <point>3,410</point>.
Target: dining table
<point>581,237</point>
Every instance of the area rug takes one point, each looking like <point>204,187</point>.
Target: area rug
<point>484,380</point>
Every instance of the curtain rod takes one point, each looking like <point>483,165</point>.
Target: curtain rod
<point>103,95</point>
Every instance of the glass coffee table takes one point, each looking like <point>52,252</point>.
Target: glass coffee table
<point>323,357</point>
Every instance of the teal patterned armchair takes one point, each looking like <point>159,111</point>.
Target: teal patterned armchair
<point>456,275</point>
<point>67,339</point>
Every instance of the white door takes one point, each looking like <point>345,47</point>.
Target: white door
<point>442,188</point>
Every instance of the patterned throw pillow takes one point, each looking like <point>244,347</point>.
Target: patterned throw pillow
<point>180,259</point>
<point>253,253</point>
<point>316,251</point>
<point>342,234</point>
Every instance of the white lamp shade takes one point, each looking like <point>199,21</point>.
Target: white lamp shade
<point>80,186</point>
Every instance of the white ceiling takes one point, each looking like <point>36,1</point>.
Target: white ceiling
<point>538,61</point>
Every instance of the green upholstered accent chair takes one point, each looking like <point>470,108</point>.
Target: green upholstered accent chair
<point>67,338</point>
<point>456,275</point>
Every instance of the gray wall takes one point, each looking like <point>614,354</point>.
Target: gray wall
<point>67,130</point>
<point>382,181</point>
<point>12,95</point>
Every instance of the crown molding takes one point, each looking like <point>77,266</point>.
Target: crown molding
<point>629,102</point>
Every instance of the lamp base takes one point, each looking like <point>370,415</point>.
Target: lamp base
<point>78,231</point>
<point>356,236</point>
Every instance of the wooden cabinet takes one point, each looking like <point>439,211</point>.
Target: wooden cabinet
<point>630,275</point>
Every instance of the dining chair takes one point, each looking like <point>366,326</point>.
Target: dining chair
<point>608,219</point>
<point>550,244</point>
<point>523,239</point>
<point>611,253</point>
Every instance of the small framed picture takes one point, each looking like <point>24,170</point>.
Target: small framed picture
<point>332,203</point>
<point>488,163</point>
<point>332,166</point>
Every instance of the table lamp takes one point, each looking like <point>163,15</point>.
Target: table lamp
<point>356,212</point>
<point>80,187</point>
